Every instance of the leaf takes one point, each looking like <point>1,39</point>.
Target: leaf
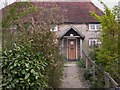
<point>27,65</point>
<point>36,77</point>
<point>23,71</point>
<point>32,71</point>
<point>26,77</point>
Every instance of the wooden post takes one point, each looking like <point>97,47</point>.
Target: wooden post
<point>81,48</point>
<point>106,80</point>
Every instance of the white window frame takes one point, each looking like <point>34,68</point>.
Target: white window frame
<point>54,28</point>
<point>95,27</point>
<point>97,42</point>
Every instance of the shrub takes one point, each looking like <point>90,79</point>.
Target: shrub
<point>97,82</point>
<point>81,63</point>
<point>56,70</point>
<point>43,43</point>
<point>88,74</point>
<point>23,69</point>
<point>93,53</point>
<point>35,29</point>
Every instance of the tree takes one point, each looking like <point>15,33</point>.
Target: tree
<point>109,51</point>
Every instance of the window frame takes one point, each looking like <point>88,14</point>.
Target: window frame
<point>97,42</point>
<point>95,27</point>
<point>92,40</point>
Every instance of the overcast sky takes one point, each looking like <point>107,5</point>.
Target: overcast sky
<point>109,3</point>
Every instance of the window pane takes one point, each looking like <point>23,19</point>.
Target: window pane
<point>97,26</point>
<point>94,26</point>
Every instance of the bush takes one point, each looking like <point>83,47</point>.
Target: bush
<point>41,43</point>
<point>97,82</point>
<point>81,63</point>
<point>88,74</point>
<point>93,53</point>
<point>56,70</point>
<point>23,69</point>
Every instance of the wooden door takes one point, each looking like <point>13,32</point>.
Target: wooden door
<point>71,49</point>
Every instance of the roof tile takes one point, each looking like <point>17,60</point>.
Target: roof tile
<point>74,12</point>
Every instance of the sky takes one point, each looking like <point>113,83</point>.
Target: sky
<point>109,3</point>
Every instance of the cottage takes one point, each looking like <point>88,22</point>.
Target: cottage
<point>81,30</point>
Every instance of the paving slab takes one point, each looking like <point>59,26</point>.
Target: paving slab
<point>73,76</point>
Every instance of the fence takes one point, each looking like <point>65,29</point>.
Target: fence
<point>107,79</point>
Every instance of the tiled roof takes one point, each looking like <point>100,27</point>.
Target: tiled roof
<point>74,12</point>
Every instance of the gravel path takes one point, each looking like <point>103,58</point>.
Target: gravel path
<point>73,77</point>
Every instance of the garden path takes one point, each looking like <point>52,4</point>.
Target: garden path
<point>73,76</point>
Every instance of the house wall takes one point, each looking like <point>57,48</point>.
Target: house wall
<point>84,29</point>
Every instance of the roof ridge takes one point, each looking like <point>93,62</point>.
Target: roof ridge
<point>62,1</point>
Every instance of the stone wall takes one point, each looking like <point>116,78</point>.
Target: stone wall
<point>83,28</point>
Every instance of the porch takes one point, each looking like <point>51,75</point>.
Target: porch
<point>72,44</point>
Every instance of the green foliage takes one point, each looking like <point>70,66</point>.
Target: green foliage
<point>98,80</point>
<point>81,63</point>
<point>43,48</point>
<point>13,13</point>
<point>24,69</point>
<point>88,74</point>
<point>56,70</point>
<point>108,54</point>
<point>93,53</point>
<point>44,43</point>
<point>96,83</point>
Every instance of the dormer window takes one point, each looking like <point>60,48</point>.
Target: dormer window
<point>54,28</point>
<point>94,27</point>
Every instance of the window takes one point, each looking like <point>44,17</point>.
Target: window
<point>54,28</point>
<point>94,27</point>
<point>93,42</point>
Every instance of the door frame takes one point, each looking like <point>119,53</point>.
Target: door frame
<point>76,53</point>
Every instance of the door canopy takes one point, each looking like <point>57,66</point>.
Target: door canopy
<point>72,33</point>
